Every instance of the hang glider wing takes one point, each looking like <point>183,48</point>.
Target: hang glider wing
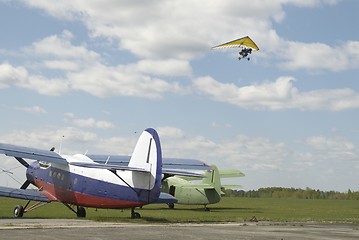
<point>31,153</point>
<point>26,194</point>
<point>244,42</point>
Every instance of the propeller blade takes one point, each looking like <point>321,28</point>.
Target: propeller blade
<point>22,161</point>
<point>25,185</point>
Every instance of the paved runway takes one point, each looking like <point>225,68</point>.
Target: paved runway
<point>31,229</point>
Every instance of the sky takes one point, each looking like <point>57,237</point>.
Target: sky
<point>90,76</point>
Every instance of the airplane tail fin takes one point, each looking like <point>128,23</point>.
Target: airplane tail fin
<point>213,178</point>
<point>147,155</point>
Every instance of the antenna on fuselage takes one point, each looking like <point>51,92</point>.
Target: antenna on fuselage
<point>61,144</point>
<point>108,158</point>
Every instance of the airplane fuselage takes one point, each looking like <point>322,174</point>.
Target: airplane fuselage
<point>96,188</point>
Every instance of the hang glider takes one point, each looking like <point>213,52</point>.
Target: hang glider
<point>246,44</point>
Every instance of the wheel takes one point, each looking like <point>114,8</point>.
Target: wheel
<point>171,205</point>
<point>18,211</point>
<point>135,215</point>
<point>81,212</point>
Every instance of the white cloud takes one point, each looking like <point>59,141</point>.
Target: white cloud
<point>10,75</point>
<point>320,56</point>
<point>82,70</point>
<point>33,109</point>
<point>47,137</point>
<point>180,28</point>
<point>87,122</point>
<point>183,29</point>
<point>333,148</point>
<point>278,95</point>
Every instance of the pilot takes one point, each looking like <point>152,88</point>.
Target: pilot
<point>244,53</point>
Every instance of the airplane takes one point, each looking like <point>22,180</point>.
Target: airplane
<point>209,191</point>
<point>182,187</point>
<point>79,181</point>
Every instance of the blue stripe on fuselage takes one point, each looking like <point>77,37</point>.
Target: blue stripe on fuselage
<point>89,186</point>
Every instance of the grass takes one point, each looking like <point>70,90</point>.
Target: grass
<point>228,210</point>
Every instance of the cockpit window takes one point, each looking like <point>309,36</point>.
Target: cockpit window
<point>44,164</point>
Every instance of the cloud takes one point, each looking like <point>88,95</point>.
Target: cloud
<point>79,69</point>
<point>33,109</point>
<point>332,148</point>
<point>185,30</point>
<point>87,122</point>
<point>320,56</point>
<point>180,28</point>
<point>278,95</point>
<point>11,75</point>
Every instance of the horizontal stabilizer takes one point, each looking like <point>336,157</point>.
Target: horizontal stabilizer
<point>31,153</point>
<point>112,167</point>
<point>231,173</point>
<point>27,194</point>
<point>231,186</point>
<point>170,172</point>
<point>199,186</point>
<point>166,198</point>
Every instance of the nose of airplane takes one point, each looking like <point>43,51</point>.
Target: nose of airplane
<point>30,172</point>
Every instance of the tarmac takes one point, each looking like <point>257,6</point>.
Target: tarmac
<point>66,229</point>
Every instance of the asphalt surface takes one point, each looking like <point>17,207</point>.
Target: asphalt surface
<point>61,229</point>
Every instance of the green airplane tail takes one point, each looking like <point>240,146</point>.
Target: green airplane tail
<point>213,179</point>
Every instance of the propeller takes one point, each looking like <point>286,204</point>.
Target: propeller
<point>22,161</point>
<point>25,164</point>
<point>25,184</point>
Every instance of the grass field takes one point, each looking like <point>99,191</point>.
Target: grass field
<point>228,210</point>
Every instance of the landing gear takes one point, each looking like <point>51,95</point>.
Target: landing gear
<point>206,209</point>
<point>81,212</point>
<point>18,211</point>
<point>134,214</point>
<point>171,205</point>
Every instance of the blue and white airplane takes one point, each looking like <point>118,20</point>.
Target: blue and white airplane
<point>78,181</point>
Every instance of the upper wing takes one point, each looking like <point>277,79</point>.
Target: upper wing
<point>244,41</point>
<point>112,167</point>
<point>170,166</point>
<point>31,153</point>
<point>230,173</point>
<point>27,194</point>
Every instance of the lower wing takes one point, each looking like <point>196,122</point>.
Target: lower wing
<point>26,194</point>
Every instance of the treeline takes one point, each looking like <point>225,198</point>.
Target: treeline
<point>280,192</point>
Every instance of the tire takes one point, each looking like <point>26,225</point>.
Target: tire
<point>18,211</point>
<point>81,212</point>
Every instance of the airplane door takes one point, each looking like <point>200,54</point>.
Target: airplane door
<point>172,190</point>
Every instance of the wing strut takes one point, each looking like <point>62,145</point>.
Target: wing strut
<point>114,172</point>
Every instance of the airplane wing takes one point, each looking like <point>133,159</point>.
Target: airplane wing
<point>31,153</point>
<point>112,167</point>
<point>26,194</point>
<point>170,166</point>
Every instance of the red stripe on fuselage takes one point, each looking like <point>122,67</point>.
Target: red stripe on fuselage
<point>67,196</point>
